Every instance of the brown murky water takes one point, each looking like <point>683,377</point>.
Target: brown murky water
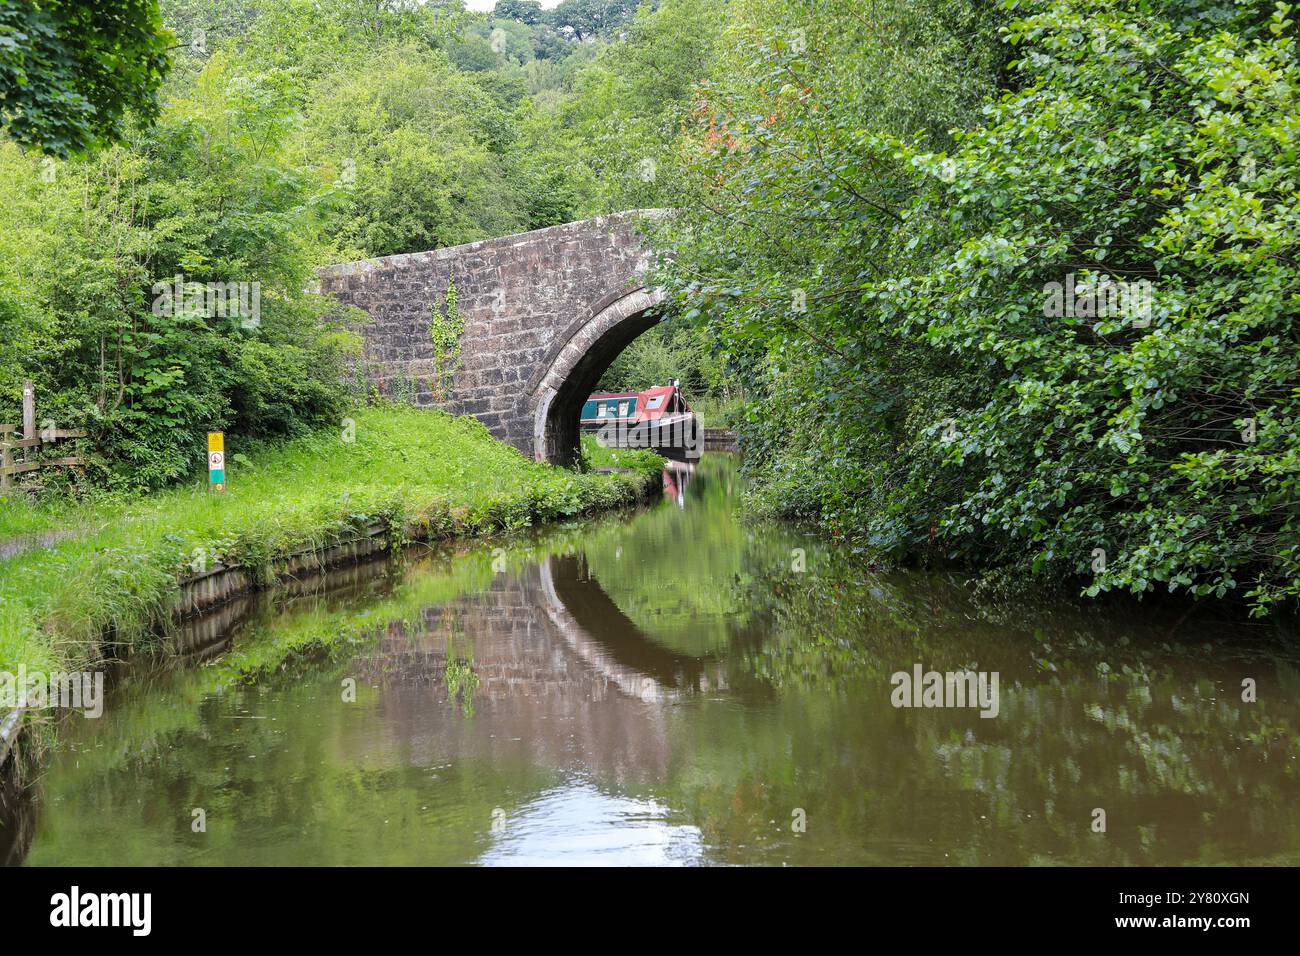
<point>678,686</point>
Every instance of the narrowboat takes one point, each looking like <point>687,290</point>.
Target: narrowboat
<point>657,418</point>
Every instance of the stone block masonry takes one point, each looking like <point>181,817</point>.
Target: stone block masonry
<point>544,312</point>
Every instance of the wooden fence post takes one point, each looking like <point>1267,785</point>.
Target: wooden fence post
<point>29,416</point>
<point>30,441</point>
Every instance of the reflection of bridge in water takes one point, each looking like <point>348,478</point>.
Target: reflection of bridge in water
<point>564,678</point>
<point>565,681</point>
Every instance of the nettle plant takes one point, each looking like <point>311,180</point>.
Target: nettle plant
<point>1142,144</point>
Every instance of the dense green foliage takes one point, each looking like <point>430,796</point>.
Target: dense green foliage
<point>70,71</point>
<point>881,212</point>
<point>293,135</point>
<point>208,195</point>
<point>880,255</point>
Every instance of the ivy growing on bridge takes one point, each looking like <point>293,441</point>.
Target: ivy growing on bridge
<point>445,329</point>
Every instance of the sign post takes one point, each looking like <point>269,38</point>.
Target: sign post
<point>217,461</point>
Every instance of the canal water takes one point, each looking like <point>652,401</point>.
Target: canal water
<point>678,685</point>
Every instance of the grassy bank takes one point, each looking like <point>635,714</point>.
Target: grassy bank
<point>104,584</point>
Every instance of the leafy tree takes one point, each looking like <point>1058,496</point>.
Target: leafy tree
<point>589,19</point>
<point>784,216</point>
<point>208,195</point>
<point>308,39</point>
<point>889,284</point>
<point>70,72</point>
<point>671,350</point>
<point>549,44</point>
<point>611,143</point>
<point>1153,446</point>
<point>510,40</point>
<point>529,12</point>
<point>421,140</point>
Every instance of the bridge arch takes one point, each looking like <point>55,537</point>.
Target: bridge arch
<point>576,362</point>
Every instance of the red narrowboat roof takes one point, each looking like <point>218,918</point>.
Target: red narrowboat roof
<point>651,404</point>
<point>649,409</point>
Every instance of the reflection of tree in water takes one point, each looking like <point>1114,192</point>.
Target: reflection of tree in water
<point>462,682</point>
<point>681,575</point>
<point>17,815</point>
<point>1100,707</point>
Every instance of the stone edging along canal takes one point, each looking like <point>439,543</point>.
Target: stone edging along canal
<point>197,594</point>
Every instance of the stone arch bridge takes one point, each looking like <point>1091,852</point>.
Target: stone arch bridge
<point>545,313</point>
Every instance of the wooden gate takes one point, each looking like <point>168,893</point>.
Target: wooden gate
<point>31,440</point>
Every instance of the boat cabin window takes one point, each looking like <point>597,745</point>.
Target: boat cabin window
<point>654,402</point>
